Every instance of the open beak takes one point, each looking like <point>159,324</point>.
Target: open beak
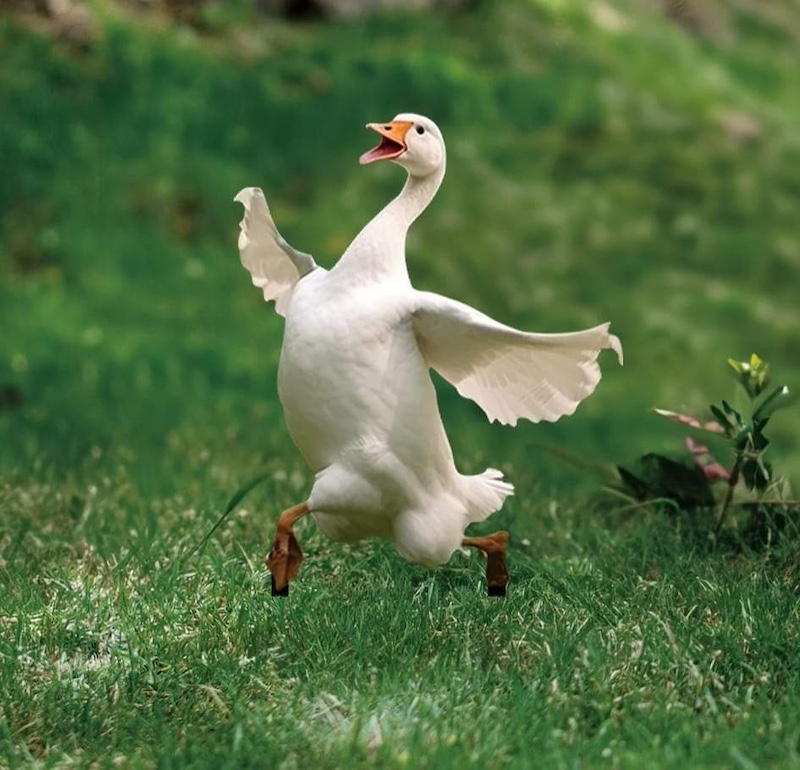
<point>393,141</point>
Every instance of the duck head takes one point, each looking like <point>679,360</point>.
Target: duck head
<point>412,141</point>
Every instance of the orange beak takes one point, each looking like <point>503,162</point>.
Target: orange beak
<point>393,141</point>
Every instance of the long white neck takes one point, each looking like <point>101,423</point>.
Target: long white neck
<point>379,250</point>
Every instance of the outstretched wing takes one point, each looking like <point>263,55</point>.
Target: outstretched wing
<point>510,374</point>
<point>274,266</point>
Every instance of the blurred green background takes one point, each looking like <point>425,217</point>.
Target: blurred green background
<point>621,160</point>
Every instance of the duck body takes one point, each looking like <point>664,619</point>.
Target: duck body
<point>360,405</point>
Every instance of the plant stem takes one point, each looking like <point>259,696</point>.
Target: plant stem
<point>732,481</point>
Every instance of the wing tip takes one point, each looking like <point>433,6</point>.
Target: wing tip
<point>246,194</point>
<point>616,346</point>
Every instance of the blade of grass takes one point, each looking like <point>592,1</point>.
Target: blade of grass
<point>237,498</point>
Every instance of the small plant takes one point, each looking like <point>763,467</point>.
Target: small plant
<point>692,485</point>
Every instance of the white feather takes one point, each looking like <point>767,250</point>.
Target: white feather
<point>274,266</point>
<point>510,374</point>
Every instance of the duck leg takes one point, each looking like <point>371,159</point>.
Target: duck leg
<point>285,558</point>
<point>494,548</point>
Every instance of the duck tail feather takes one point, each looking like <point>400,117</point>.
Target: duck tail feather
<point>485,494</point>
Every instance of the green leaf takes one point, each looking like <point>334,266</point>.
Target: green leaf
<point>633,484</point>
<point>756,473</point>
<point>729,410</point>
<point>780,398</point>
<point>743,438</point>
<point>722,419</point>
<point>658,477</point>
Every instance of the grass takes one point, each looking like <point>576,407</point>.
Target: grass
<point>597,170</point>
<point>614,647</point>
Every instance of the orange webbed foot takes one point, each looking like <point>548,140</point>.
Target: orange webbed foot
<point>285,558</point>
<point>494,548</point>
<point>284,562</point>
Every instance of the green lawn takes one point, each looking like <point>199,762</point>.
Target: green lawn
<point>623,643</point>
<point>603,164</point>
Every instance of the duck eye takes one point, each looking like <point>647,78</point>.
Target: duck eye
<point>420,130</point>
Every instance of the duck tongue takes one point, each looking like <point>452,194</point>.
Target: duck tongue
<point>386,150</point>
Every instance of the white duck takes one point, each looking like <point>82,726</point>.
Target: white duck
<point>354,382</point>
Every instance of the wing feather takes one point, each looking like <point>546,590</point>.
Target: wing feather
<point>510,374</point>
<point>274,266</point>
